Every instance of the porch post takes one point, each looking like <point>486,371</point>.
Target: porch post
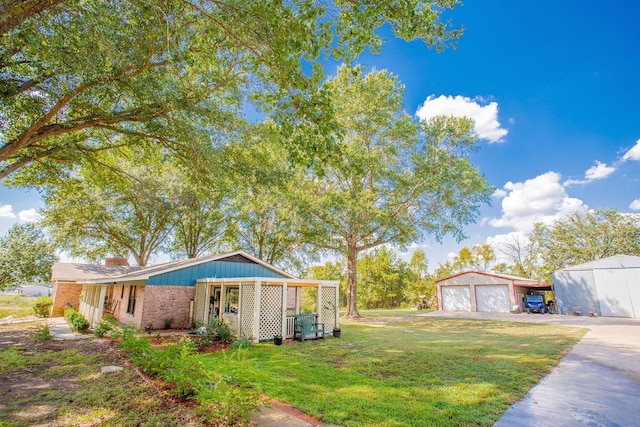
<point>207,296</point>
<point>283,306</point>
<point>256,311</point>
<point>319,303</point>
<point>98,317</point>
<point>336,302</point>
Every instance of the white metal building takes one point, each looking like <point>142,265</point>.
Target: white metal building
<point>482,291</point>
<point>607,287</point>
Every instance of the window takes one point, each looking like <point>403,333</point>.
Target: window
<point>122,292</point>
<point>131,305</point>
<point>231,301</point>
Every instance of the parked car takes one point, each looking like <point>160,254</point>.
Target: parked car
<point>534,304</point>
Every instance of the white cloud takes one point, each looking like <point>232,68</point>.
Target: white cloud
<point>29,215</point>
<point>599,171</point>
<point>486,116</point>
<point>499,194</point>
<point>633,153</point>
<point>501,242</point>
<point>6,211</point>
<point>635,205</point>
<point>594,173</point>
<point>540,199</point>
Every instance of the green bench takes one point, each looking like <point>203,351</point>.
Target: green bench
<point>306,326</point>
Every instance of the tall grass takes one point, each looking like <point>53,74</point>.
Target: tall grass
<point>16,305</point>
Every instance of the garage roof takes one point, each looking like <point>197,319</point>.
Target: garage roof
<point>616,261</point>
<point>517,281</point>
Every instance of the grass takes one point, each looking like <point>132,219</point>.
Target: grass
<point>16,305</point>
<point>427,371</point>
<point>60,383</point>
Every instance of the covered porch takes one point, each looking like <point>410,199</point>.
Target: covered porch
<point>260,308</point>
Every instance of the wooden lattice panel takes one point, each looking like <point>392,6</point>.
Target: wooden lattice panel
<point>270,311</point>
<point>329,309</point>
<point>247,308</point>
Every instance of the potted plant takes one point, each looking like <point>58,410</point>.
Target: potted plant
<point>277,339</point>
<point>336,332</point>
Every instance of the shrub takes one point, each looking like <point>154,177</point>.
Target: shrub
<point>241,344</point>
<point>42,334</point>
<point>76,320</point>
<point>107,327</point>
<point>42,306</point>
<point>221,331</point>
<point>168,323</point>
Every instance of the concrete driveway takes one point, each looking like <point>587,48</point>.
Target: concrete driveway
<point>596,384</point>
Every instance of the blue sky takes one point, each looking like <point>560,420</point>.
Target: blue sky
<point>554,88</point>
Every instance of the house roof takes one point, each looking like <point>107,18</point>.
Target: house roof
<point>66,271</point>
<point>616,261</point>
<point>515,279</point>
<point>103,274</point>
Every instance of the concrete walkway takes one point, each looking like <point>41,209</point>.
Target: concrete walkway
<point>596,384</point>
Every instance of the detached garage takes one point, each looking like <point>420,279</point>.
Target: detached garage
<point>481,291</point>
<point>606,287</point>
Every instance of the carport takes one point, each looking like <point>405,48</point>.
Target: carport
<point>483,291</point>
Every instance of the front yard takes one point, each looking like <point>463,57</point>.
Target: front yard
<point>384,371</point>
<point>416,372</point>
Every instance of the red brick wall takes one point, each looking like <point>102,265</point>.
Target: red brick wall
<point>166,302</point>
<point>63,294</point>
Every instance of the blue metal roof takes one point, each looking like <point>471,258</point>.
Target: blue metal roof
<point>188,275</point>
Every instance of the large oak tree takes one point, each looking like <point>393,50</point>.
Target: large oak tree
<point>75,73</point>
<point>394,180</point>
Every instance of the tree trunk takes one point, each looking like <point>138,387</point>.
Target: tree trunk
<point>352,283</point>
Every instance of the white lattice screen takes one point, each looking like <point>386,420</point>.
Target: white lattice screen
<point>247,308</point>
<point>270,311</point>
<point>328,304</point>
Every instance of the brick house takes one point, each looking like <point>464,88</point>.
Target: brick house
<point>254,298</point>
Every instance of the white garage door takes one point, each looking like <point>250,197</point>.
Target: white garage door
<point>456,298</point>
<point>492,297</point>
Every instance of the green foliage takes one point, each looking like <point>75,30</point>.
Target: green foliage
<point>107,327</point>
<point>42,334</point>
<point>15,305</point>
<point>42,306</point>
<point>25,255</point>
<point>221,400</point>
<point>394,180</point>
<point>76,78</point>
<point>221,331</point>
<point>583,237</point>
<point>77,321</point>
<point>241,344</point>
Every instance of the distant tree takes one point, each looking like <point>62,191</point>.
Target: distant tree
<point>419,284</point>
<point>26,255</point>
<point>200,222</point>
<point>263,191</point>
<point>331,270</point>
<point>478,257</point>
<point>584,237</point>
<point>393,180</point>
<point>381,278</point>
<point>99,210</point>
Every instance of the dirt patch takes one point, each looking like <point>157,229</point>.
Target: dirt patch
<point>55,383</point>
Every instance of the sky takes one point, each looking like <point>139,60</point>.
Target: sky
<point>554,88</point>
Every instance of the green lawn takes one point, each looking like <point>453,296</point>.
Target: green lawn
<point>15,305</point>
<point>426,371</point>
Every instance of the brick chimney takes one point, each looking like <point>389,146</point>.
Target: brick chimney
<point>116,260</point>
